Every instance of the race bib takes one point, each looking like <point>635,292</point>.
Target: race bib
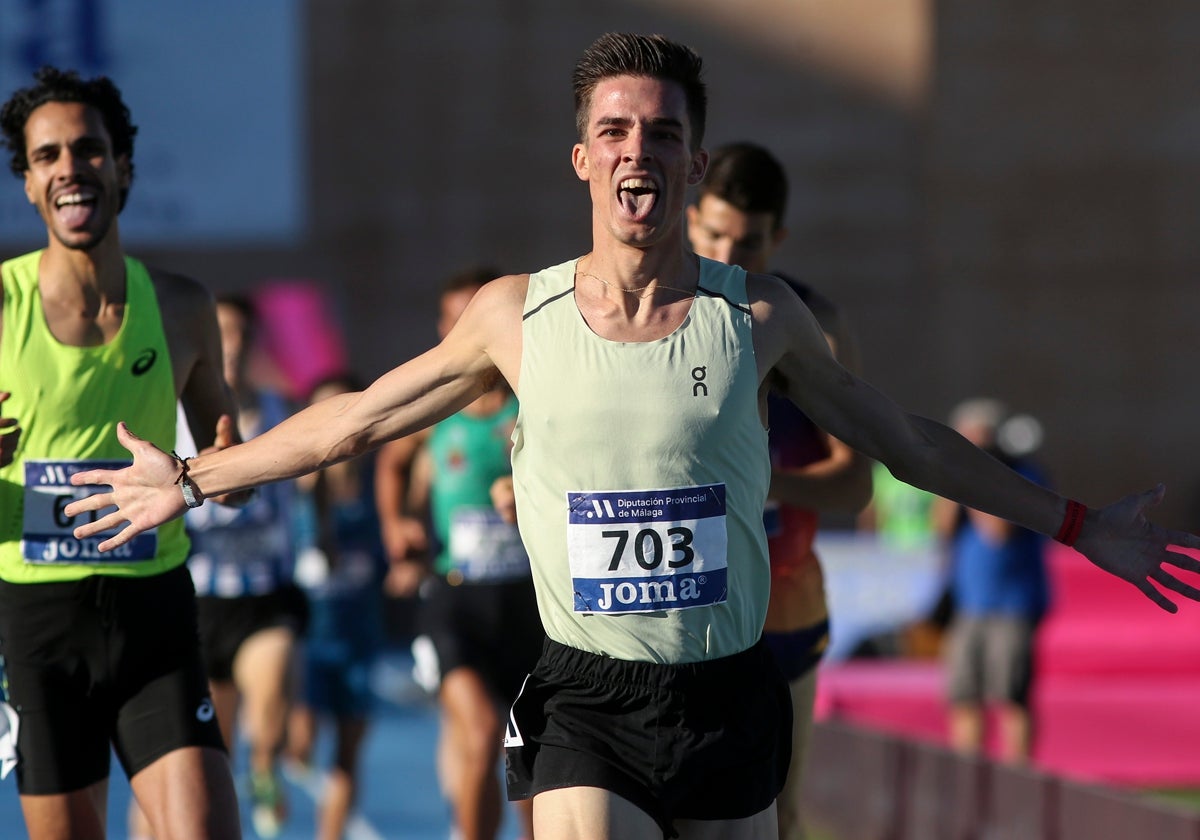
<point>483,547</point>
<point>46,535</point>
<point>647,550</point>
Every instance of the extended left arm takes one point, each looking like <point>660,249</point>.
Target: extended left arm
<point>841,481</point>
<point>927,454</point>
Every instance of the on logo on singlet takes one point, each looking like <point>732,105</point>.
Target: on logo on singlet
<point>647,550</point>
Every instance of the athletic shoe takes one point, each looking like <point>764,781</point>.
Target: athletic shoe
<point>266,812</point>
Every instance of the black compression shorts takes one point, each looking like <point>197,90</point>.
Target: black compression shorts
<point>100,661</point>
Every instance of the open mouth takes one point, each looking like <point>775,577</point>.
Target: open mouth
<point>637,196</point>
<point>75,208</point>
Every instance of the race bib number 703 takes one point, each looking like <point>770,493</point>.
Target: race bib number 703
<point>647,550</point>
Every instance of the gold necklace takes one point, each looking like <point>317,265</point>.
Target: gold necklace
<point>636,290</point>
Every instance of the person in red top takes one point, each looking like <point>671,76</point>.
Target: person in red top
<point>738,219</point>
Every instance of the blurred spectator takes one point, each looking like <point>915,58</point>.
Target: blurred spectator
<point>901,517</point>
<point>898,513</point>
<point>999,588</point>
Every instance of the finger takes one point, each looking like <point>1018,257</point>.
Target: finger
<point>119,539</point>
<point>1148,589</point>
<point>1181,560</point>
<point>224,435</point>
<point>104,523</point>
<point>1151,497</point>
<point>127,438</point>
<point>1176,585</point>
<point>98,477</point>
<point>96,501</point>
<point>1182,540</point>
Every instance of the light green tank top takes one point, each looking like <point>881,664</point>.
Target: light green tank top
<point>641,470</point>
<point>69,400</point>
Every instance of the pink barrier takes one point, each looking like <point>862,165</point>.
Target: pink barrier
<point>1118,683</point>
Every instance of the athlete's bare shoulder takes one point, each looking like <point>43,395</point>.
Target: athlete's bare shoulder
<point>769,297</point>
<point>189,318</point>
<point>782,323</point>
<point>509,290</point>
<point>179,293</point>
<point>495,311</point>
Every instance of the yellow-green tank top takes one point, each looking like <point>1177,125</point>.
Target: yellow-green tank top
<point>68,401</point>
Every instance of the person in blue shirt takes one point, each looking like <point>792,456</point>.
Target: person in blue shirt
<point>999,589</point>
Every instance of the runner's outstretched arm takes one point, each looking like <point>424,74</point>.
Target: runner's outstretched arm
<point>1118,537</point>
<point>410,397</point>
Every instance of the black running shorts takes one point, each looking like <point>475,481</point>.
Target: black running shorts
<point>226,623</point>
<point>705,741</point>
<point>101,661</point>
<point>492,628</point>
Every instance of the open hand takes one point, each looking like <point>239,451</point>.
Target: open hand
<point>1120,540</point>
<point>144,494</point>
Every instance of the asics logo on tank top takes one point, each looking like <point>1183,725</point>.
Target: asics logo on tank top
<point>206,712</point>
<point>699,389</point>
<point>144,361</point>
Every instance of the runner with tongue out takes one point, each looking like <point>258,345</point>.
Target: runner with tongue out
<point>640,467</point>
<point>101,650</point>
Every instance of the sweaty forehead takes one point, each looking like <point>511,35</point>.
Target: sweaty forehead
<point>640,97</point>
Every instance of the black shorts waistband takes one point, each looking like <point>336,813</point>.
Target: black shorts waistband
<point>671,676</point>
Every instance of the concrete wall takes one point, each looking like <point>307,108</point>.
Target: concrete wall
<point>998,194</point>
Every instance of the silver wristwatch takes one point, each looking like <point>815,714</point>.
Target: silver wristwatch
<point>189,493</point>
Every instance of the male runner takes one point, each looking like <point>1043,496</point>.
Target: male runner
<point>100,648</point>
<point>738,219</point>
<point>480,633</point>
<point>641,469</point>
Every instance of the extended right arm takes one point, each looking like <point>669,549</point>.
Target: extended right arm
<point>410,397</point>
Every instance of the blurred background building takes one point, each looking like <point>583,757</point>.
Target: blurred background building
<point>1002,196</point>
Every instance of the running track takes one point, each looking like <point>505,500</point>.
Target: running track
<point>399,799</point>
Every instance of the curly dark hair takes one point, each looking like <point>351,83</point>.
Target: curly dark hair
<point>623,54</point>
<point>54,85</point>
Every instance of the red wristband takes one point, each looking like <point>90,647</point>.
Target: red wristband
<point>1072,523</point>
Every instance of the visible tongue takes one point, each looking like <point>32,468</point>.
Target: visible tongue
<point>638,203</point>
<point>75,215</point>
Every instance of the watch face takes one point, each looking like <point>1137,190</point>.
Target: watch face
<point>189,494</point>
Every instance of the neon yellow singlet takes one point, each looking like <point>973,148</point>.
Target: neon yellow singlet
<point>68,401</point>
<point>641,469</point>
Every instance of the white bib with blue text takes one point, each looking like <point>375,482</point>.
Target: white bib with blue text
<point>636,551</point>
